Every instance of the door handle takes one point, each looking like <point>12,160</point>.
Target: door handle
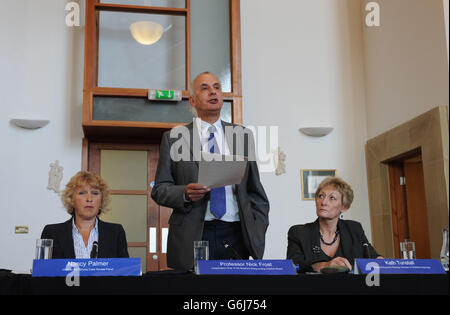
<point>152,240</point>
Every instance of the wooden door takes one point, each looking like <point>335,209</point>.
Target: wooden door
<point>408,203</point>
<point>417,208</point>
<point>400,227</point>
<point>129,170</point>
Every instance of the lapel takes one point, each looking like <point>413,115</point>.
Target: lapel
<point>235,145</point>
<point>315,240</point>
<point>67,239</point>
<point>228,137</point>
<point>194,142</point>
<point>346,240</point>
<point>239,140</point>
<point>103,236</point>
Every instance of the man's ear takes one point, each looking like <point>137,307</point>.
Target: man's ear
<point>192,101</point>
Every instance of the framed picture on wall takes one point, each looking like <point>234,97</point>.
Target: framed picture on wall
<point>311,180</point>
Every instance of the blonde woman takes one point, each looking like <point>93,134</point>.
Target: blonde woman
<point>329,241</point>
<point>84,235</point>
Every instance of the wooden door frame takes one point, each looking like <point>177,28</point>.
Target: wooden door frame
<point>92,149</point>
<point>400,228</point>
<point>135,131</point>
<point>430,133</point>
<point>93,127</point>
<point>417,208</point>
<point>405,224</point>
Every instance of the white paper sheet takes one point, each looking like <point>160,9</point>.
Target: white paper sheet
<point>217,170</point>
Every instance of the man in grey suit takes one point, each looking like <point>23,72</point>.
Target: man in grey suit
<point>236,214</point>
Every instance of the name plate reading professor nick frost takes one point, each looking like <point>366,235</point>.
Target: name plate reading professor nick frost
<point>246,267</point>
<point>398,266</point>
<point>87,267</point>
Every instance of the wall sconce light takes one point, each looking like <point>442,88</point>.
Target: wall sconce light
<point>30,123</point>
<point>147,32</point>
<point>316,131</point>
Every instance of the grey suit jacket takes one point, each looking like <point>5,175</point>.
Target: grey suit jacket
<point>186,221</point>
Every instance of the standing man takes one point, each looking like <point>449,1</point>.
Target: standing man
<point>236,214</point>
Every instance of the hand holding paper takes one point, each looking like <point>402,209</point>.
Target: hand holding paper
<point>217,170</point>
<point>194,191</point>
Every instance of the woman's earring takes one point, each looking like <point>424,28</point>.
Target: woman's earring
<point>342,215</point>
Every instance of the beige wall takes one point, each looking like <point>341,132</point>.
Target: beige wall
<point>406,63</point>
<point>307,56</point>
<point>429,132</point>
<point>302,63</point>
<point>308,60</point>
<point>407,74</point>
<point>446,3</point>
<point>41,62</point>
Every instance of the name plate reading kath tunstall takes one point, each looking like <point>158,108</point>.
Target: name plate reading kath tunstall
<point>87,267</point>
<point>398,266</point>
<point>246,267</point>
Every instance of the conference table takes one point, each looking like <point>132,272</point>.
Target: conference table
<point>188,284</point>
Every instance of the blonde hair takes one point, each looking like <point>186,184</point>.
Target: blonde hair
<point>81,179</point>
<point>344,189</point>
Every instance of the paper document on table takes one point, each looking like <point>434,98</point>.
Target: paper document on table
<point>217,170</point>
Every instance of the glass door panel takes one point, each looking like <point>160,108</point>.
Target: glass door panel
<point>125,63</point>
<point>142,109</point>
<point>128,168</point>
<point>210,39</point>
<point>124,170</point>
<point>150,3</point>
<point>131,212</point>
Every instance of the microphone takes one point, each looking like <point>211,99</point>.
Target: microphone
<point>94,251</point>
<point>366,251</point>
<point>231,250</point>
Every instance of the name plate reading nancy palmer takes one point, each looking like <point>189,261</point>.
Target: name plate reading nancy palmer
<point>87,267</point>
<point>398,266</point>
<point>246,267</point>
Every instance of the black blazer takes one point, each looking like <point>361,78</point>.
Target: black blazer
<point>112,241</point>
<point>304,243</point>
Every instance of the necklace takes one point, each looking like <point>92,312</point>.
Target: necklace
<point>332,242</point>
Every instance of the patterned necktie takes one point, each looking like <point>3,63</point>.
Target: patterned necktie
<point>217,197</point>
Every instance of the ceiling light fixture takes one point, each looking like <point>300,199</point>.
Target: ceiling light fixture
<point>147,32</point>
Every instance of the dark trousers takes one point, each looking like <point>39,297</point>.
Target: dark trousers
<point>216,231</point>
